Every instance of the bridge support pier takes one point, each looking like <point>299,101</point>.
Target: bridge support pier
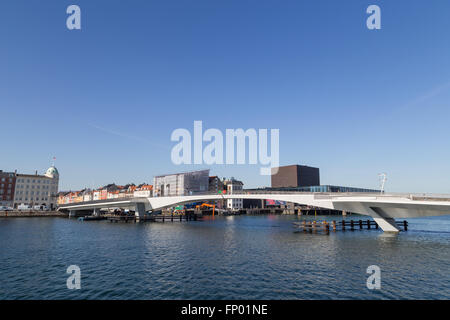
<point>72,213</point>
<point>387,224</point>
<point>139,211</point>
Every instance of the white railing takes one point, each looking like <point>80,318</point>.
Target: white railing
<point>318,195</point>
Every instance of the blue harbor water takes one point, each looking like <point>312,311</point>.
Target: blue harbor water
<point>240,257</point>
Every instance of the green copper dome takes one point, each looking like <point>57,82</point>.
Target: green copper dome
<point>52,172</point>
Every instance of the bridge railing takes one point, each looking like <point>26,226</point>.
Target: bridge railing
<point>93,202</point>
<point>317,195</point>
<point>327,195</point>
<point>343,194</point>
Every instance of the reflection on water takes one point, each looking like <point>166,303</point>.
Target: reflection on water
<point>235,257</point>
<point>389,236</point>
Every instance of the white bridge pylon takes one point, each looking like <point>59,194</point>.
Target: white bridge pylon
<point>384,208</point>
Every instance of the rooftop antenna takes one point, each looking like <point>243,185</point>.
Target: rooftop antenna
<point>53,161</point>
<point>383,178</point>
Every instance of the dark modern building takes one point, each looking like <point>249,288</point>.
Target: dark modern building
<point>295,176</point>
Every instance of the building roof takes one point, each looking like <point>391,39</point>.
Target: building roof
<point>32,176</point>
<point>145,187</point>
<point>52,172</point>
<point>233,181</point>
<point>182,173</point>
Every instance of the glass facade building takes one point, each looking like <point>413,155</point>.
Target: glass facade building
<point>181,184</point>
<point>324,188</point>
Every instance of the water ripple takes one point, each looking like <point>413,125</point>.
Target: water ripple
<point>245,257</point>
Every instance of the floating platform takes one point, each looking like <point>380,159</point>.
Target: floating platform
<point>125,219</point>
<point>352,225</point>
<point>30,214</point>
<point>92,218</point>
<point>155,218</point>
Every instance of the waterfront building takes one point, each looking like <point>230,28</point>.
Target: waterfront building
<point>87,195</point>
<point>130,188</point>
<point>110,191</point>
<point>234,185</point>
<point>74,196</point>
<point>181,184</point>
<point>34,189</point>
<point>96,195</point>
<point>145,190</point>
<point>61,197</point>
<point>295,176</point>
<point>112,194</point>
<point>78,197</point>
<point>124,193</point>
<point>7,188</point>
<point>215,185</point>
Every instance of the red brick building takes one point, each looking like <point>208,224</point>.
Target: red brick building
<point>7,188</point>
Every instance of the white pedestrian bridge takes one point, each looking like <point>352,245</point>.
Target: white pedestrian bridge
<point>383,208</point>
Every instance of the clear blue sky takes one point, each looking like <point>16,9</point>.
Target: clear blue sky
<point>105,100</point>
